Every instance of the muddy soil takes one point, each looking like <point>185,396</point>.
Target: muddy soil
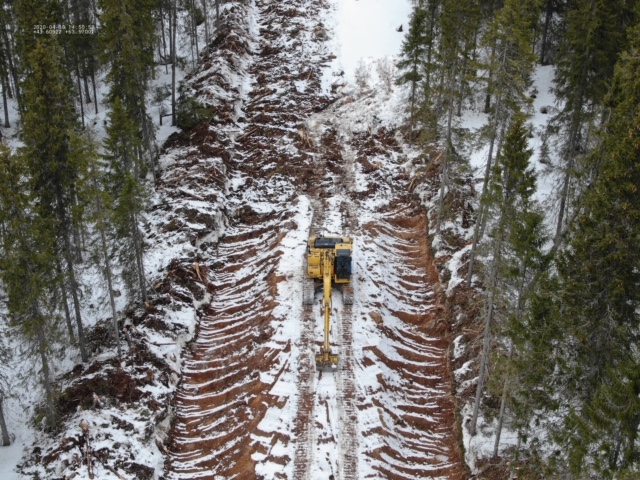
<point>394,392</point>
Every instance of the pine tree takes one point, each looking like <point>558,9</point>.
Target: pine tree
<point>129,195</point>
<point>522,261</point>
<point>459,23</point>
<point>510,65</point>
<point>595,36</point>
<point>412,57</point>
<point>8,66</point>
<point>27,271</point>
<point>591,314</point>
<point>55,156</point>
<point>550,35</point>
<point>101,207</point>
<point>127,38</point>
<point>511,202</point>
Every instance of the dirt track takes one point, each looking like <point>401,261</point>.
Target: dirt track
<point>250,404</point>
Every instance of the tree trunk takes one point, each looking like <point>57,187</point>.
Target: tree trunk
<point>461,91</point>
<point>107,269</point>
<point>503,403</point>
<point>563,203</point>
<point>483,222</point>
<point>5,103</point>
<point>174,14</point>
<point>445,166</point>
<point>481,211</point>
<point>217,11</point>
<point>65,303</point>
<point>545,32</point>
<point>487,98</point>
<point>6,440</point>
<point>46,374</point>
<point>195,27</point>
<point>87,95</point>
<point>95,93</point>
<point>206,23</point>
<point>137,243</point>
<point>80,95</point>
<point>497,247</point>
<point>164,38</point>
<point>12,67</point>
<point>74,295</point>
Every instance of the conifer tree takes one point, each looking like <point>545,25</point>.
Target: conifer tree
<point>459,22</point>
<point>550,34</point>
<point>27,271</point>
<point>101,205</point>
<point>579,354</point>
<point>412,59</point>
<point>54,155</point>
<point>599,304</point>
<point>127,38</point>
<point>594,38</point>
<point>511,65</point>
<point>511,202</point>
<point>120,145</point>
<point>8,60</point>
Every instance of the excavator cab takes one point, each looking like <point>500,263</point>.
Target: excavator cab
<point>328,260</point>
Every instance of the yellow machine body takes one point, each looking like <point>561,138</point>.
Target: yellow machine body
<point>329,260</point>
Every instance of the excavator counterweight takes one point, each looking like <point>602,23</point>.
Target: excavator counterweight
<point>328,261</point>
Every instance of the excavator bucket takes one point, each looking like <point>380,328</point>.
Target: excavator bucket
<point>326,363</point>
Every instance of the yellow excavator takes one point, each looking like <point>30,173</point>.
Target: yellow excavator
<point>328,264</point>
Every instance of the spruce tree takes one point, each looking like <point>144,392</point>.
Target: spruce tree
<point>589,315</point>
<point>412,57</point>
<point>27,271</point>
<point>127,38</point>
<point>510,65</point>
<point>54,156</point>
<point>510,205</point>
<point>459,23</point>
<point>596,34</point>
<point>129,196</point>
<point>605,309</point>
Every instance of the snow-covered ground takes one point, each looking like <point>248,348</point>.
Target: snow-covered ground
<point>363,38</point>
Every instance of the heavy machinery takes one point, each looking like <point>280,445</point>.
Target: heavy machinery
<point>328,264</point>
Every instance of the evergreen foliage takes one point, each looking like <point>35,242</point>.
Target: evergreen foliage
<point>517,238</point>
<point>128,193</point>
<point>412,56</point>
<point>54,156</point>
<point>27,270</point>
<point>127,39</point>
<point>191,113</point>
<point>596,34</point>
<point>586,319</point>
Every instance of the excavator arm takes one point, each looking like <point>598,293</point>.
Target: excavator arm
<point>326,360</point>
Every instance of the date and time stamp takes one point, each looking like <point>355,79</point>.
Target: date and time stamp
<point>64,29</point>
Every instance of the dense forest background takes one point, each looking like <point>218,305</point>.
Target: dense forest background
<point>559,276</point>
<point>70,201</point>
<point>559,281</point>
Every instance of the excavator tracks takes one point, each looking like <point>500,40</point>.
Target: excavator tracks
<point>251,404</point>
